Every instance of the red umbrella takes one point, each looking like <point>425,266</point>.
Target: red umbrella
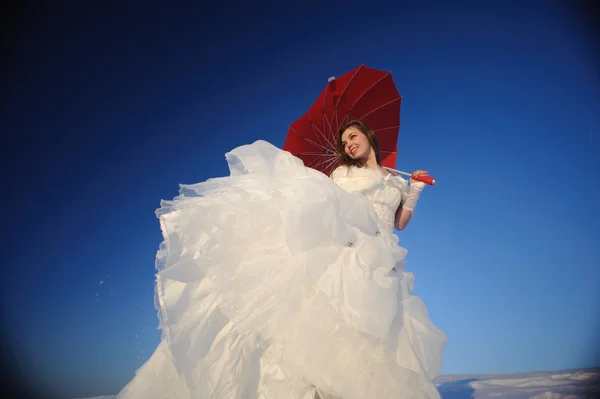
<point>364,94</point>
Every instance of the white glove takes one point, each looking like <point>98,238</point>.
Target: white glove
<point>416,187</point>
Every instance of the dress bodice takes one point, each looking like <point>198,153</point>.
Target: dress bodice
<point>384,190</point>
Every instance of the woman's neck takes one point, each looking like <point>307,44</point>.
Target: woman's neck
<point>371,161</point>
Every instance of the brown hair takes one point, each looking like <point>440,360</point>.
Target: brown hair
<point>368,132</point>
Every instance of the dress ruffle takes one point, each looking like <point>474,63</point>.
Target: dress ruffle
<point>275,282</point>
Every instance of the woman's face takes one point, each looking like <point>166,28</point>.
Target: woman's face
<point>355,143</point>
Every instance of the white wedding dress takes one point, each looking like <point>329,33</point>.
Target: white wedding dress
<point>280,282</point>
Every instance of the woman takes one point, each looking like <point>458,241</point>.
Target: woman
<point>274,282</point>
<point>358,146</point>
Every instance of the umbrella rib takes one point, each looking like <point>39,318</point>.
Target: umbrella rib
<point>366,91</point>
<point>337,122</point>
<point>318,154</point>
<point>326,124</point>
<point>344,91</point>
<point>310,141</point>
<point>330,124</point>
<point>314,129</point>
<point>323,116</point>
<point>381,106</point>
<point>331,162</point>
<point>314,163</point>
<point>385,128</point>
<point>330,131</point>
<point>327,163</point>
<point>317,132</point>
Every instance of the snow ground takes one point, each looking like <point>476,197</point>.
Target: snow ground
<point>564,384</point>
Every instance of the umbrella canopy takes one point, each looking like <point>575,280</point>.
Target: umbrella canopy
<point>364,94</point>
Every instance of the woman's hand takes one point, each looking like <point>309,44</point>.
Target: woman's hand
<point>414,190</point>
<point>405,211</point>
<point>418,173</point>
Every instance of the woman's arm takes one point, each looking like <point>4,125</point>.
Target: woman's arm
<point>405,209</point>
<point>403,216</point>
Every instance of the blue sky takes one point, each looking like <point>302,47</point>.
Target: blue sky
<point>112,108</point>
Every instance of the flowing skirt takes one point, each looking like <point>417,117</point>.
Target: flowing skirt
<point>274,282</point>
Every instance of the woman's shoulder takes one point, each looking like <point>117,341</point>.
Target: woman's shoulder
<point>340,171</point>
<point>386,173</point>
<point>399,182</point>
<point>395,179</point>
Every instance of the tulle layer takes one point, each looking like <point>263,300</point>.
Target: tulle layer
<point>275,282</point>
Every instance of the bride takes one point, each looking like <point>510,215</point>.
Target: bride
<point>280,282</point>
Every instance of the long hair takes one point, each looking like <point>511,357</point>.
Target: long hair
<point>345,159</point>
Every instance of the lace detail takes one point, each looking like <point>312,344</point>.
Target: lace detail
<point>384,190</point>
<point>385,214</point>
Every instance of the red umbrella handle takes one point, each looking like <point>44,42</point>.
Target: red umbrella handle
<point>425,179</point>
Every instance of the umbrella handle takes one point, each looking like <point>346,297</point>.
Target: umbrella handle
<point>425,179</point>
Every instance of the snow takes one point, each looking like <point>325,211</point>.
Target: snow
<point>104,397</point>
<point>566,384</point>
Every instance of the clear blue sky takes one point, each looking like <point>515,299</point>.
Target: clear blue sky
<point>112,108</point>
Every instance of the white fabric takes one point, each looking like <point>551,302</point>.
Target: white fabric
<point>276,282</point>
<point>384,190</point>
<point>413,196</point>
